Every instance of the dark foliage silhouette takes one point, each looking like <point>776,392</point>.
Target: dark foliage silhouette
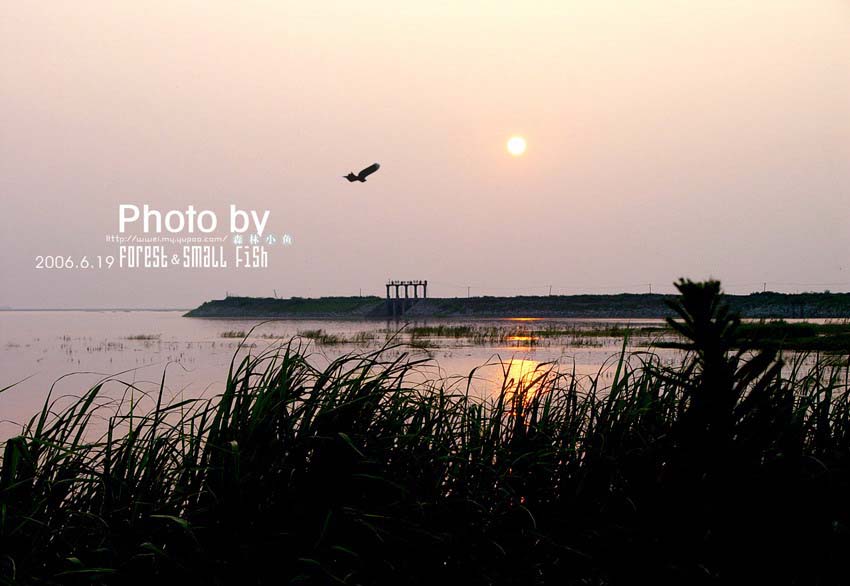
<point>730,468</point>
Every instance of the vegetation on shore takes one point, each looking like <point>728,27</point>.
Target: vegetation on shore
<point>801,336</point>
<point>623,305</point>
<point>778,334</point>
<point>293,307</point>
<point>733,467</point>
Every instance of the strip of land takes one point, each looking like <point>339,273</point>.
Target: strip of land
<point>755,305</point>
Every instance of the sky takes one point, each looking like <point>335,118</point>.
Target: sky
<point>665,139</point>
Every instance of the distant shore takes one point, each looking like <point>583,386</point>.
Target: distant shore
<point>625,305</point>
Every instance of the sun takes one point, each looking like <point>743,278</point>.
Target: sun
<point>516,145</point>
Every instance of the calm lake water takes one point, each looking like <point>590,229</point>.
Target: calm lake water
<point>76,349</point>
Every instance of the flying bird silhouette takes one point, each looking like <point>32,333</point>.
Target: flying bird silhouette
<point>361,177</point>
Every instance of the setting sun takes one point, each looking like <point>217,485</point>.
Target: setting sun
<point>516,145</point>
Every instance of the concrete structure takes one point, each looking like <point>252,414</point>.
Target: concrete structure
<point>398,305</point>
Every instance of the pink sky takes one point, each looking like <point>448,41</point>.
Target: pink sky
<point>666,138</point>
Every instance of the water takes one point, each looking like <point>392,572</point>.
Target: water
<point>73,350</point>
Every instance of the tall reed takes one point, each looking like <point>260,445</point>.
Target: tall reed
<point>733,466</point>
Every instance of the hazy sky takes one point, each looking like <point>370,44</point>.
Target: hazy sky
<point>666,138</point>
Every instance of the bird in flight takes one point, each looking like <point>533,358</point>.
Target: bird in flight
<point>361,177</point>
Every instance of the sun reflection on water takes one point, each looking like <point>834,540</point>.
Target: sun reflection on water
<point>523,379</point>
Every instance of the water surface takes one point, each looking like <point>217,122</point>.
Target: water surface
<point>73,350</point>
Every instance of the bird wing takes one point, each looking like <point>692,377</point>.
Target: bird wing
<point>368,170</point>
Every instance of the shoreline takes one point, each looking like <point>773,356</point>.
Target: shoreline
<point>766,305</point>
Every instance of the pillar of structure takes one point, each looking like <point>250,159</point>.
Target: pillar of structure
<point>399,305</point>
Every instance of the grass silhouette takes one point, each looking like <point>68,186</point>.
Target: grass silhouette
<point>733,466</point>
